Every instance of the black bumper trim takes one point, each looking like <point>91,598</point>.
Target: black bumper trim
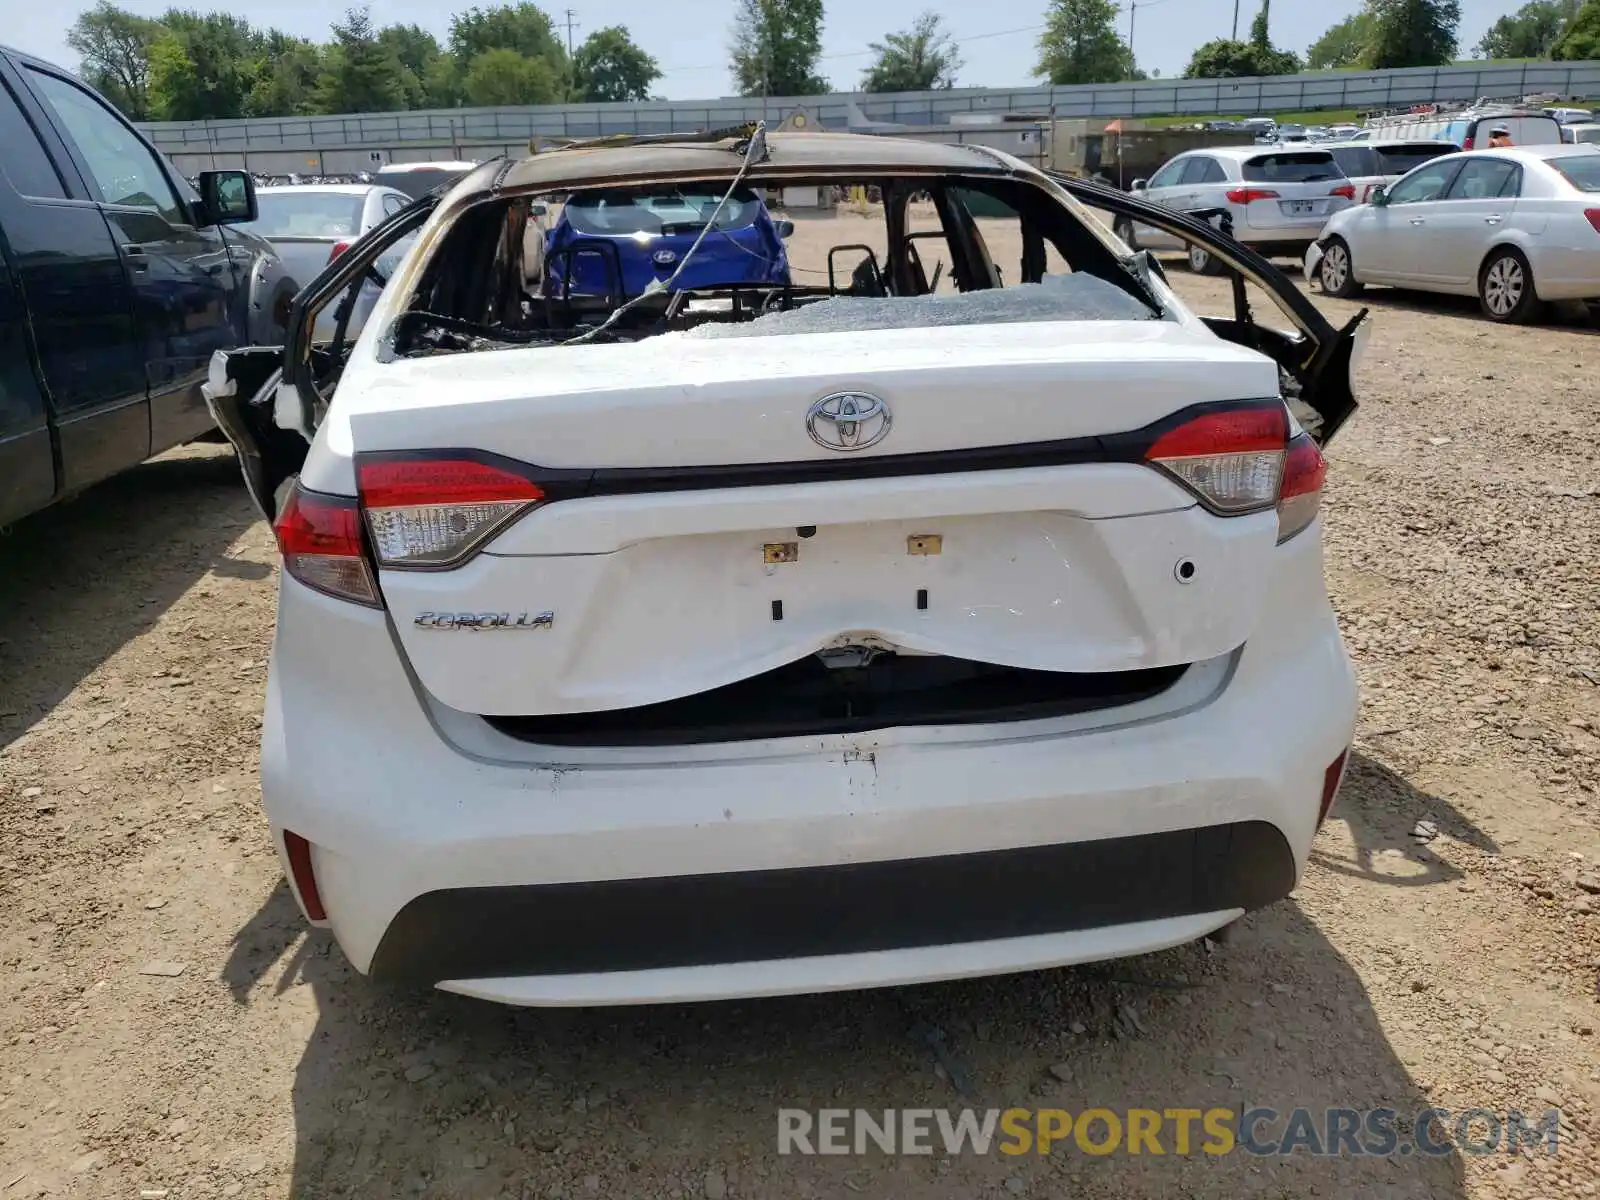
<point>750,916</point>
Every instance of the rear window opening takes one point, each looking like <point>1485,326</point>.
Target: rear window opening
<point>1397,160</point>
<point>1298,166</point>
<point>620,264</point>
<point>319,214</point>
<point>810,697</point>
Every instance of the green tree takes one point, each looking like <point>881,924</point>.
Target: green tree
<point>204,66</point>
<point>286,85</point>
<point>1346,44</point>
<point>1080,44</point>
<point>776,44</point>
<point>609,66</point>
<point>1414,33</point>
<point>503,76</point>
<point>921,59</point>
<point>1530,32</point>
<point>115,48</point>
<point>445,83</point>
<point>1260,36</point>
<point>524,28</point>
<point>1224,58</point>
<point>1581,41</point>
<point>359,74</point>
<point>416,50</point>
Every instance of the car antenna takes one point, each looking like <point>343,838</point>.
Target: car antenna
<point>756,146</point>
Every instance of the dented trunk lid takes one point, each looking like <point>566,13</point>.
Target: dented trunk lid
<point>700,534</point>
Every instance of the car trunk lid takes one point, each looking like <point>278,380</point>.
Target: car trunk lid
<point>701,524</point>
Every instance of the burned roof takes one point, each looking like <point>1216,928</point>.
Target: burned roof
<point>789,156</point>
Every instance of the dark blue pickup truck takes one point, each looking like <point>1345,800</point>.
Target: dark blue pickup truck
<point>118,282</point>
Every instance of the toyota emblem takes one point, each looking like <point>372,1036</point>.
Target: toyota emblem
<point>848,421</point>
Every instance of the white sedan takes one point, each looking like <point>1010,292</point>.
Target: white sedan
<point>1514,227</point>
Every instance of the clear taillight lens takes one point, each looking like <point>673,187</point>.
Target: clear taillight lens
<point>320,539</point>
<point>1304,470</point>
<point>434,512</point>
<point>1232,459</point>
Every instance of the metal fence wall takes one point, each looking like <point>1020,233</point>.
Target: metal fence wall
<point>470,131</point>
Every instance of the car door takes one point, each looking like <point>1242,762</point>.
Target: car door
<point>1205,182</point>
<point>1474,211</point>
<point>1163,188</point>
<point>76,304</point>
<point>184,281</point>
<point>1390,248</point>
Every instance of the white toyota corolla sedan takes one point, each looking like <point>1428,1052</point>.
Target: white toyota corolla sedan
<point>1514,227</point>
<point>742,638</point>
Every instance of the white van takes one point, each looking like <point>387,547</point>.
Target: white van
<point>1470,128</point>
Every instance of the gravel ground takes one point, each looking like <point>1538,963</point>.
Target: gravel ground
<point>171,1029</point>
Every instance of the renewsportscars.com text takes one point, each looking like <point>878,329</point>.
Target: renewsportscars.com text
<point>1377,1132</point>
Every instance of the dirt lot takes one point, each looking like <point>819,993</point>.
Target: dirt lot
<point>1461,970</point>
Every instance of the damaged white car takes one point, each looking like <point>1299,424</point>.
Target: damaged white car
<point>731,639</point>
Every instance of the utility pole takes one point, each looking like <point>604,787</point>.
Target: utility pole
<point>1133,11</point>
<point>570,23</point>
<point>1235,20</point>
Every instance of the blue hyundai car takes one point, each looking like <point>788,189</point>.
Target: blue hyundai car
<point>614,243</point>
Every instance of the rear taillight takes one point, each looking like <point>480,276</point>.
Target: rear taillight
<point>338,249</point>
<point>1466,143</point>
<point>1246,195</point>
<point>320,539</point>
<point>1304,469</point>
<point>305,877</point>
<point>1231,458</point>
<point>1347,190</point>
<point>1594,217</point>
<point>1367,194</point>
<point>435,511</point>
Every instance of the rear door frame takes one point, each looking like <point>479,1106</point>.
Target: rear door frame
<point>1320,358</point>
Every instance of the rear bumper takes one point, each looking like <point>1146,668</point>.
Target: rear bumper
<point>1566,272</point>
<point>843,909</point>
<point>444,853</point>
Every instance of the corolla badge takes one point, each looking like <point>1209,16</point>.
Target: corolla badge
<point>665,258</point>
<point>848,421</point>
<point>485,621</point>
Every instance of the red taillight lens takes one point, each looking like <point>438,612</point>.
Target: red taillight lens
<point>1331,779</point>
<point>320,539</point>
<point>338,249</point>
<point>1304,470</point>
<point>305,879</point>
<point>1593,214</point>
<point>1347,190</point>
<point>1246,195</point>
<point>1231,458</point>
<point>1466,144</point>
<point>434,512</point>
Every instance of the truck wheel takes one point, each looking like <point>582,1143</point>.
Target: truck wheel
<point>1505,288</point>
<point>1336,271</point>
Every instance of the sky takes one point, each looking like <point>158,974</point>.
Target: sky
<point>689,38</point>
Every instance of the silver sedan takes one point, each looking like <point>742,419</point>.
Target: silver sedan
<point>1514,227</point>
